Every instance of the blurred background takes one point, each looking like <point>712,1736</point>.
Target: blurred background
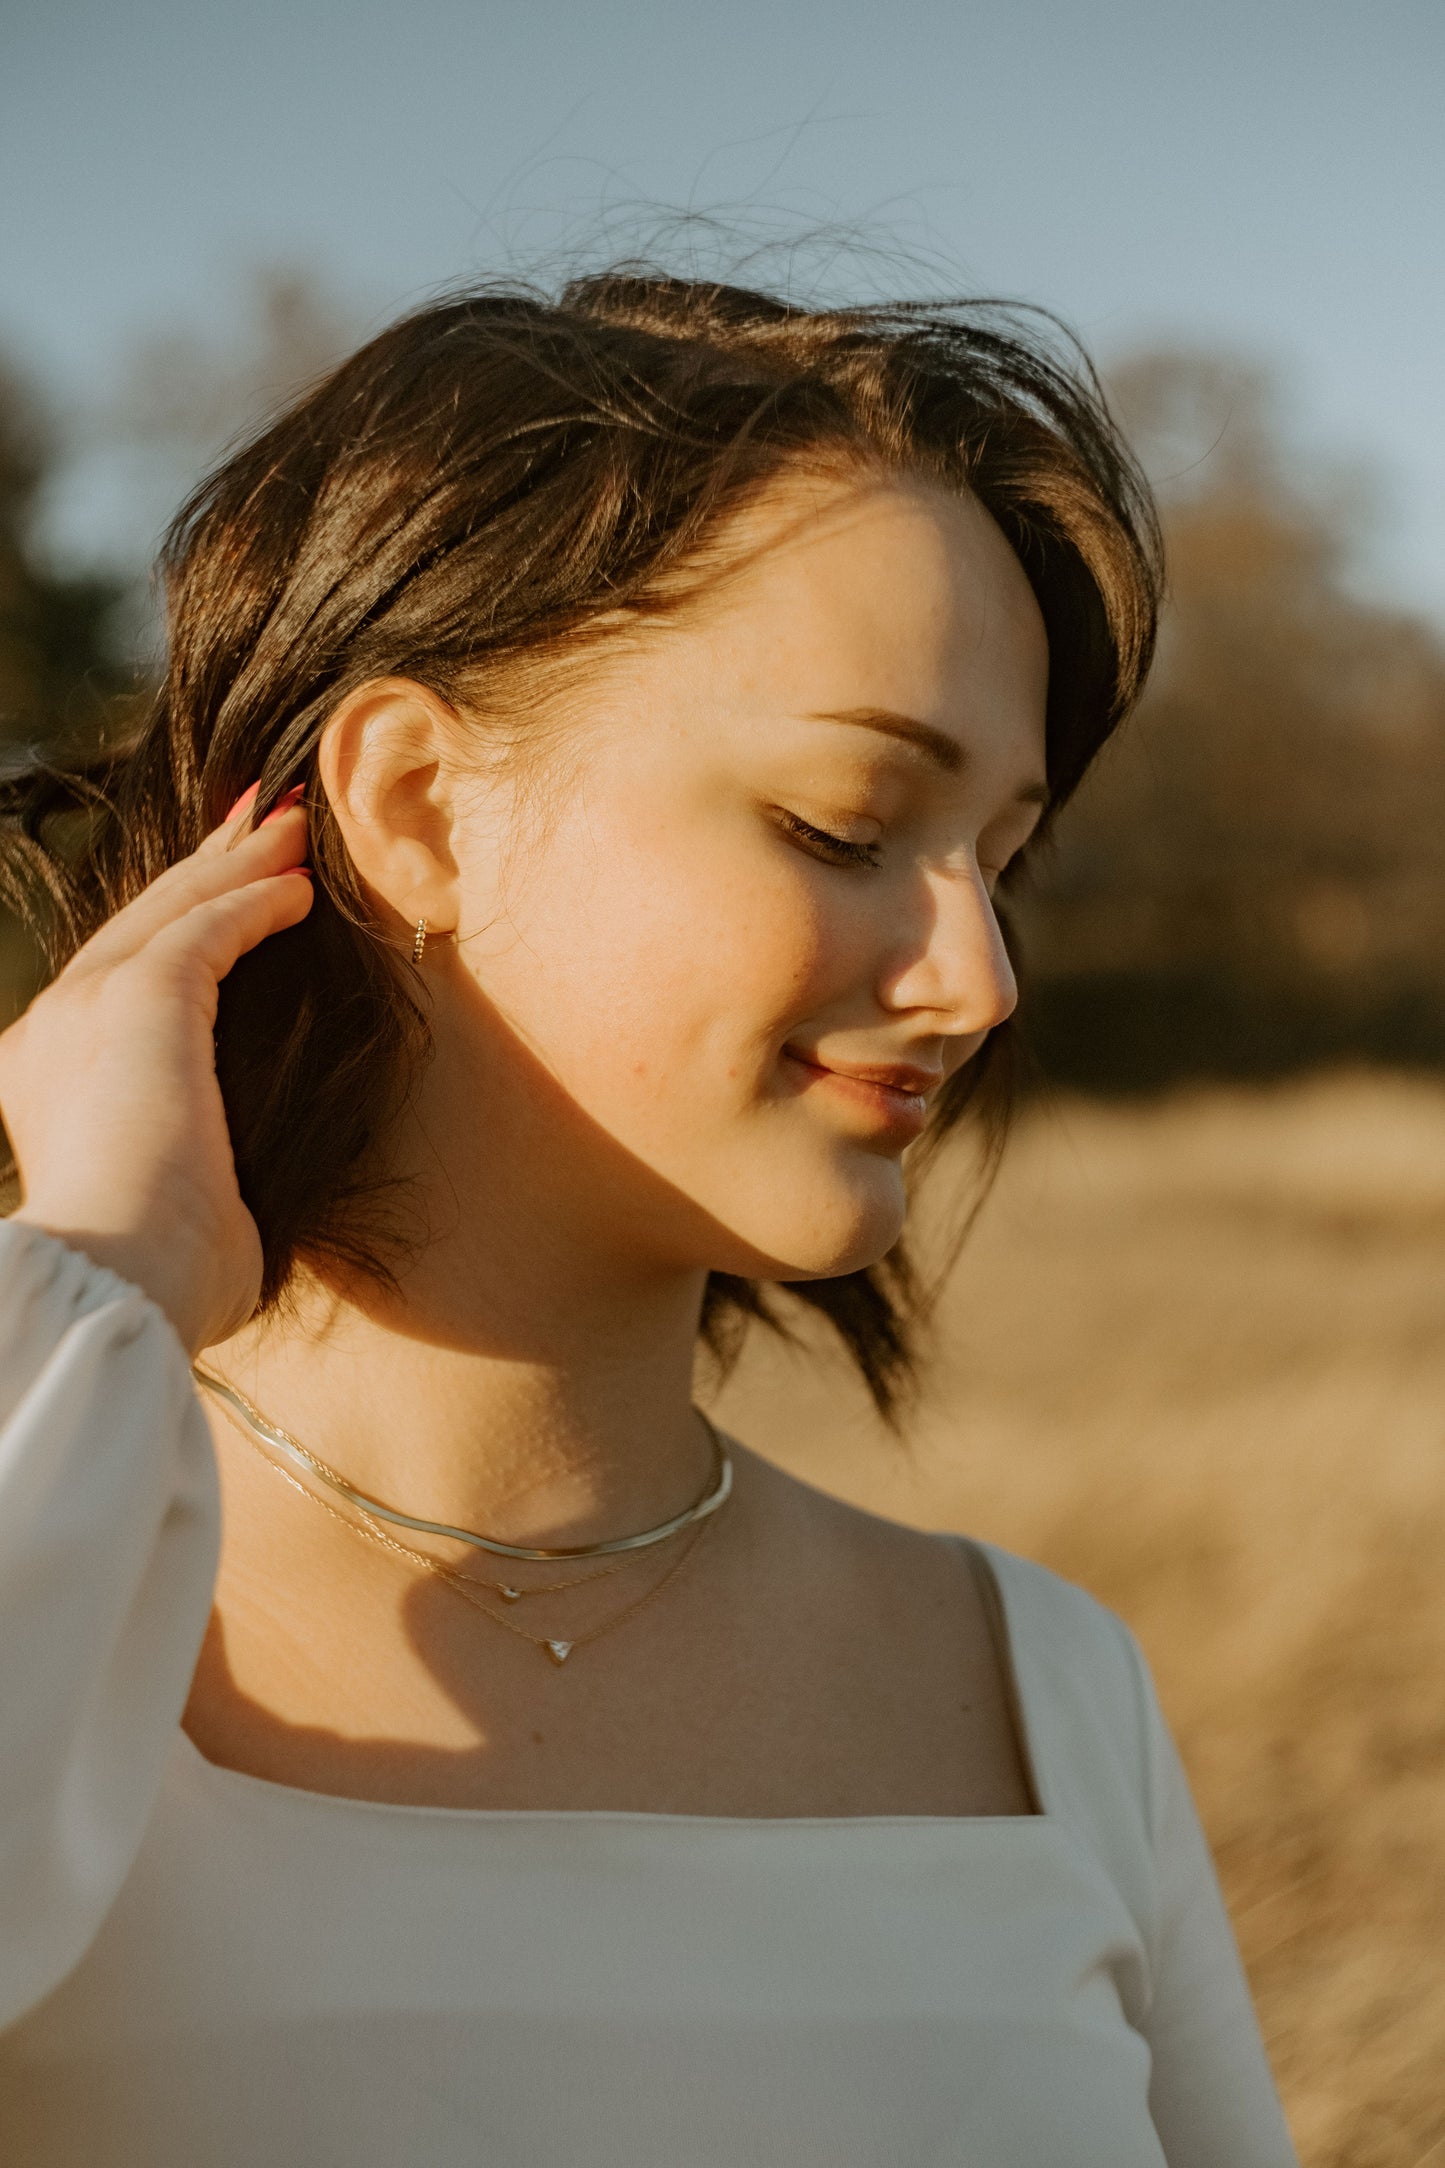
<point>1192,1353</point>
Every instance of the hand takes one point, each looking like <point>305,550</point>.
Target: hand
<point>108,1081</point>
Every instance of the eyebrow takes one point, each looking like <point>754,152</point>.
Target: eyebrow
<point>945,752</point>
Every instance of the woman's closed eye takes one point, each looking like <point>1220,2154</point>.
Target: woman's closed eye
<point>820,843</point>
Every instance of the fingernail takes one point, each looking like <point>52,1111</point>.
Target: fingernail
<point>284,805</point>
<point>304,871</point>
<point>245,799</point>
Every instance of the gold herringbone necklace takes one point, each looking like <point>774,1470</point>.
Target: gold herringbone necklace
<point>282,1442</point>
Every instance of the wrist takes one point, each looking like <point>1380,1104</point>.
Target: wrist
<point>170,1278</point>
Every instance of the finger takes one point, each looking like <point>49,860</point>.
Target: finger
<point>240,821</point>
<point>218,931</point>
<point>236,823</point>
<point>271,849</point>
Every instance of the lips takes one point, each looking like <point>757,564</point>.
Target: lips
<point>898,1079</point>
<point>891,1098</point>
<point>896,1076</point>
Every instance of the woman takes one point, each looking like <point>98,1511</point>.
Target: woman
<point>640,698</point>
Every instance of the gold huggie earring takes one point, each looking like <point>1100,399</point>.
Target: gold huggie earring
<point>418,947</point>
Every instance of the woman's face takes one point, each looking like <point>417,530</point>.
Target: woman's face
<point>752,931</point>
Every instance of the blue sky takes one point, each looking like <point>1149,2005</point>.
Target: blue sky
<point>1269,177</point>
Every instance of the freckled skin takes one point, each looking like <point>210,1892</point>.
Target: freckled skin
<point>667,911</point>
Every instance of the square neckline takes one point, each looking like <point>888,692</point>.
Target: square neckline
<point>978,1556</point>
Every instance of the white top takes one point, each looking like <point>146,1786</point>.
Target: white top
<point>204,1970</point>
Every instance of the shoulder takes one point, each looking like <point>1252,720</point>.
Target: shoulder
<point>793,1502</point>
<point>1081,1675</point>
<point>1104,1763</point>
<point>1066,1637</point>
<point>1068,1651</point>
<point>880,1560</point>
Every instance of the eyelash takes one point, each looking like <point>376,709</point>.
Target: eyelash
<point>834,850</point>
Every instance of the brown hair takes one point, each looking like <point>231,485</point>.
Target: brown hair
<point>477,489</point>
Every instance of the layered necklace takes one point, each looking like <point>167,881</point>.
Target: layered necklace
<point>269,1440</point>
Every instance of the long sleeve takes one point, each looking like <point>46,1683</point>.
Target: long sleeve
<point>1211,2094</point>
<point>109,1531</point>
<point>1108,1769</point>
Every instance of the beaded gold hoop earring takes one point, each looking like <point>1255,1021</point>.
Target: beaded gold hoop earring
<point>418,947</point>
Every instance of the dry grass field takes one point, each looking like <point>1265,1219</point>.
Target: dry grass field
<point>1194,1357</point>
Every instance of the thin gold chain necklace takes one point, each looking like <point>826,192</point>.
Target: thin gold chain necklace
<point>556,1649</point>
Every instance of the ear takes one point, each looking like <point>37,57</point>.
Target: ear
<point>385,764</point>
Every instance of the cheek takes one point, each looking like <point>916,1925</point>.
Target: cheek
<point>659,989</point>
<point>671,966</point>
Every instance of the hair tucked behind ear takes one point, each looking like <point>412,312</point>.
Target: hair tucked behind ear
<point>467,497</point>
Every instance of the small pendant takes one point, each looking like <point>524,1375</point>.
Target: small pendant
<point>559,1651</point>
<point>508,1595</point>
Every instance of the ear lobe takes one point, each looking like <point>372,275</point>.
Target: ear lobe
<point>382,766</point>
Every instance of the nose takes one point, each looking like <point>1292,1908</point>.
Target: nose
<point>958,964</point>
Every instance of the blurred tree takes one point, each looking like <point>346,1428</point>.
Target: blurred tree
<point>59,659</point>
<point>61,672</point>
<point>1253,878</point>
<point>74,645</point>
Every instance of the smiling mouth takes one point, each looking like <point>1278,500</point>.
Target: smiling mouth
<point>896,1109</point>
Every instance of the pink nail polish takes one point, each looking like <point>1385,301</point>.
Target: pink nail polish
<point>284,805</point>
<point>246,798</point>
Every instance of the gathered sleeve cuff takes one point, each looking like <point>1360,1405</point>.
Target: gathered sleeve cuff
<point>109,1532</point>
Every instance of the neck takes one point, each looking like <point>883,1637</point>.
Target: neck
<point>531,1376</point>
<point>537,1393</point>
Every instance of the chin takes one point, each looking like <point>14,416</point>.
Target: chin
<point>823,1232</point>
